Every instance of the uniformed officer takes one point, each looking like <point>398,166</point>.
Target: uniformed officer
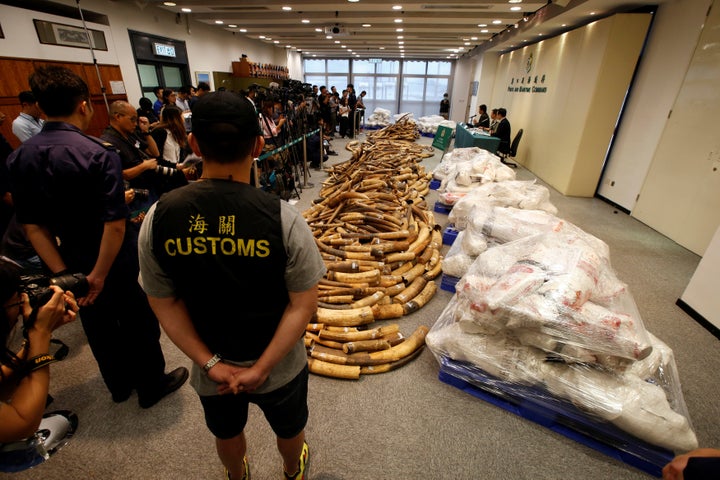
<point>69,186</point>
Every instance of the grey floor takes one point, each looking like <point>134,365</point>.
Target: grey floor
<point>403,424</point>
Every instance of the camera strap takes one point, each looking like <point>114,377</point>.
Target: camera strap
<point>39,361</point>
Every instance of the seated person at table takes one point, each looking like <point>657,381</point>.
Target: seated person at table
<point>493,121</point>
<point>503,131</point>
<point>483,118</point>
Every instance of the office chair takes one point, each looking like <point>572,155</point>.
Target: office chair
<point>513,150</point>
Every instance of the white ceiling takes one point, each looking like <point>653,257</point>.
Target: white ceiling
<point>431,30</point>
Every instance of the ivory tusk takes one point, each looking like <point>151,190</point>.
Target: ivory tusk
<point>326,369</point>
<point>345,318</point>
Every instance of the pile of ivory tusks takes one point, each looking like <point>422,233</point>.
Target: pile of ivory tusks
<point>404,128</point>
<point>381,247</point>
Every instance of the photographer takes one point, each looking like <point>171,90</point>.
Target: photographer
<point>24,375</point>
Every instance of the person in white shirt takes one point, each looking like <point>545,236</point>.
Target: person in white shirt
<point>28,123</point>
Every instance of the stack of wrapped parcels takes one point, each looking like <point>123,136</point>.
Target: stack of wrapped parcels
<point>547,311</point>
<point>464,169</point>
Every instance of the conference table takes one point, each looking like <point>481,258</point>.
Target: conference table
<point>465,137</point>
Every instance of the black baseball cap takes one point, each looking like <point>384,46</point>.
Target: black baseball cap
<point>225,108</point>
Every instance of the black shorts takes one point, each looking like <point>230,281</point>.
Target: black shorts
<point>285,409</point>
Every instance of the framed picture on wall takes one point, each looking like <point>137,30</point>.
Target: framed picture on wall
<point>204,77</point>
<point>69,36</point>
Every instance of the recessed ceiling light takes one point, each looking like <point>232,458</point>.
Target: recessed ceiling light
<point>287,8</point>
<point>268,38</point>
<point>397,7</point>
<point>401,42</point>
<point>467,43</point>
<point>337,41</point>
<point>484,31</point>
<point>382,48</point>
<point>243,30</point>
<point>515,9</point>
<point>353,1</point>
<point>328,36</point>
<point>276,41</point>
<point>288,46</point>
<point>514,1</point>
<point>219,22</point>
<point>400,37</point>
<point>318,29</point>
<point>186,10</point>
<point>261,36</point>
<point>482,25</point>
<point>169,4</point>
<point>366,25</point>
<point>232,26</point>
<point>473,38</point>
<point>592,13</point>
<point>398,20</point>
<point>497,22</point>
<point>564,25</point>
<point>314,55</point>
<point>540,34</point>
<point>343,46</point>
<point>399,29</point>
<point>305,20</point>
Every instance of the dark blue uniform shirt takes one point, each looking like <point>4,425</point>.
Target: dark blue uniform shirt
<point>71,183</point>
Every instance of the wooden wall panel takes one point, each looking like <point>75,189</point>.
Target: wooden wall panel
<point>14,79</point>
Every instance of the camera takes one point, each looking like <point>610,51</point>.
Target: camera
<point>162,170</point>
<point>141,193</point>
<point>37,287</point>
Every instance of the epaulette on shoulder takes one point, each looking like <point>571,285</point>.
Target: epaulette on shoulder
<point>102,143</point>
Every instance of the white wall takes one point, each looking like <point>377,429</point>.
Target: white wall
<point>681,194</point>
<point>701,292</point>
<point>209,48</point>
<point>461,83</point>
<point>671,43</point>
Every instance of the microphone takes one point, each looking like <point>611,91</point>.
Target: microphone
<point>473,117</point>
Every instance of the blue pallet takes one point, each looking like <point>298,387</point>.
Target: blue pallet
<point>434,184</point>
<point>449,235</point>
<point>442,208</point>
<point>447,283</point>
<point>556,414</point>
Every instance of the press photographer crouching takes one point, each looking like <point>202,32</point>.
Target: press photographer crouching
<point>25,374</point>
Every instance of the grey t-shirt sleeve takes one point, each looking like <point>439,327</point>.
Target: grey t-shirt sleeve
<point>153,279</point>
<point>305,266</point>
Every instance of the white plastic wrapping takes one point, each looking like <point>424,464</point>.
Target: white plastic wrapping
<point>520,194</point>
<point>464,169</point>
<point>548,312</point>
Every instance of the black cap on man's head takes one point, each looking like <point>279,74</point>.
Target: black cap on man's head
<point>230,109</point>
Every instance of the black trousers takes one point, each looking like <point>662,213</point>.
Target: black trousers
<point>123,332</point>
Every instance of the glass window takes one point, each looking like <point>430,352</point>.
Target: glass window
<point>439,68</point>
<point>386,89</point>
<point>436,88</point>
<point>338,66</point>
<point>365,83</point>
<point>148,76</point>
<point>173,78</point>
<point>413,88</point>
<point>315,66</point>
<point>388,66</point>
<point>315,80</point>
<point>411,67</point>
<point>362,66</point>
<point>340,82</point>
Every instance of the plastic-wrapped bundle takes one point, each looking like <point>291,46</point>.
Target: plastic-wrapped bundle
<point>544,286</point>
<point>430,123</point>
<point>526,195</point>
<point>644,400</point>
<point>379,117</point>
<point>463,173</point>
<point>492,225</point>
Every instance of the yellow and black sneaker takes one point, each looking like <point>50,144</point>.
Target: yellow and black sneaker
<point>247,471</point>
<point>301,473</point>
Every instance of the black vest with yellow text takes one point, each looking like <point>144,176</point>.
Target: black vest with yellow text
<point>221,244</point>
